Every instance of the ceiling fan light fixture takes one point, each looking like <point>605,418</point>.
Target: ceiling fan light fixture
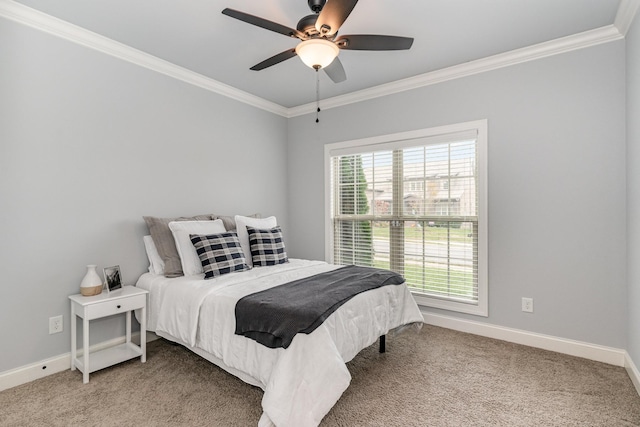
<point>317,53</point>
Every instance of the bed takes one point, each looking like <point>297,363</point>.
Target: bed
<point>302,382</point>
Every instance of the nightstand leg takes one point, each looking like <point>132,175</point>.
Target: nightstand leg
<point>143,334</point>
<point>85,349</point>
<point>128,316</point>
<point>73,339</point>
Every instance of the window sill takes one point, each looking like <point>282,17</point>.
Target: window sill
<point>479,309</point>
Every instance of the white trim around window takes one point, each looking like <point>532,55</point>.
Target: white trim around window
<point>440,136</point>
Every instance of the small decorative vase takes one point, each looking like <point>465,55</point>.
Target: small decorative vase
<point>91,283</point>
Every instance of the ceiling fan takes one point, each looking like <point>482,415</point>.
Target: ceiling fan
<point>320,43</point>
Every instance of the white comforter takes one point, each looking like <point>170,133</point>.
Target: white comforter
<point>302,383</point>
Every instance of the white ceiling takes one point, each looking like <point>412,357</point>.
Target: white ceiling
<point>195,35</point>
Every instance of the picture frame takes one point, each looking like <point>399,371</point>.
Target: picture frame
<point>112,278</point>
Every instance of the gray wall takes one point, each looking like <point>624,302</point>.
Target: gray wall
<point>89,144</point>
<point>633,189</point>
<point>556,184</point>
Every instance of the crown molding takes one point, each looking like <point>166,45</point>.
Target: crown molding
<point>41,21</point>
<point>531,53</point>
<point>626,13</point>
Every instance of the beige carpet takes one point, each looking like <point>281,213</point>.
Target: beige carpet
<point>437,377</point>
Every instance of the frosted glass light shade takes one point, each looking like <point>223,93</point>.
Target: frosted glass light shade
<point>317,53</point>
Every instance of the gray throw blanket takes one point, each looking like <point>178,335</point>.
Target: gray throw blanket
<point>274,316</point>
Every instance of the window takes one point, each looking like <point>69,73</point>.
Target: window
<point>415,203</point>
<point>415,185</point>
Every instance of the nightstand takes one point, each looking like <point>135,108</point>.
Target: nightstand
<point>120,301</point>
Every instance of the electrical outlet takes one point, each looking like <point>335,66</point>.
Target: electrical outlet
<point>527,305</point>
<point>55,324</point>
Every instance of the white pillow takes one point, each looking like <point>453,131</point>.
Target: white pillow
<point>156,265</point>
<point>260,223</point>
<point>188,256</point>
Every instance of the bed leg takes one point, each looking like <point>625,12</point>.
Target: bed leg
<point>382,344</point>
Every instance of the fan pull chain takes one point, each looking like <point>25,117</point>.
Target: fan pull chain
<point>317,95</point>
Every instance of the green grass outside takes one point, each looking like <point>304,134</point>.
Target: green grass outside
<point>428,233</point>
<point>432,279</point>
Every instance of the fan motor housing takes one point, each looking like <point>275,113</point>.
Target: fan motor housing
<point>308,25</point>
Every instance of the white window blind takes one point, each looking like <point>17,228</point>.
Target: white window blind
<point>415,204</point>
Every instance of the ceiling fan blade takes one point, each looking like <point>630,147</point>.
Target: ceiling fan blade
<point>275,59</point>
<point>335,71</point>
<point>263,23</point>
<point>373,42</point>
<point>333,15</point>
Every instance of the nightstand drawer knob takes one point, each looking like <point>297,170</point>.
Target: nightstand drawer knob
<point>119,306</point>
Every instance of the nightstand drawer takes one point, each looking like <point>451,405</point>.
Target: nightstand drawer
<point>108,308</point>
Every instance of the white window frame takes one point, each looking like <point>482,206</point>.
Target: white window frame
<point>480,127</point>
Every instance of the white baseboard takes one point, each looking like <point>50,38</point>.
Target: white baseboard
<point>34,371</point>
<point>632,370</point>
<point>610,355</point>
<point>25,374</point>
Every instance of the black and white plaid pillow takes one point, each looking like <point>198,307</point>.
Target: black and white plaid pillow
<point>219,253</point>
<point>267,246</point>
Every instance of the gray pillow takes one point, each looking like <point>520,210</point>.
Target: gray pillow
<point>230,221</point>
<point>166,245</point>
